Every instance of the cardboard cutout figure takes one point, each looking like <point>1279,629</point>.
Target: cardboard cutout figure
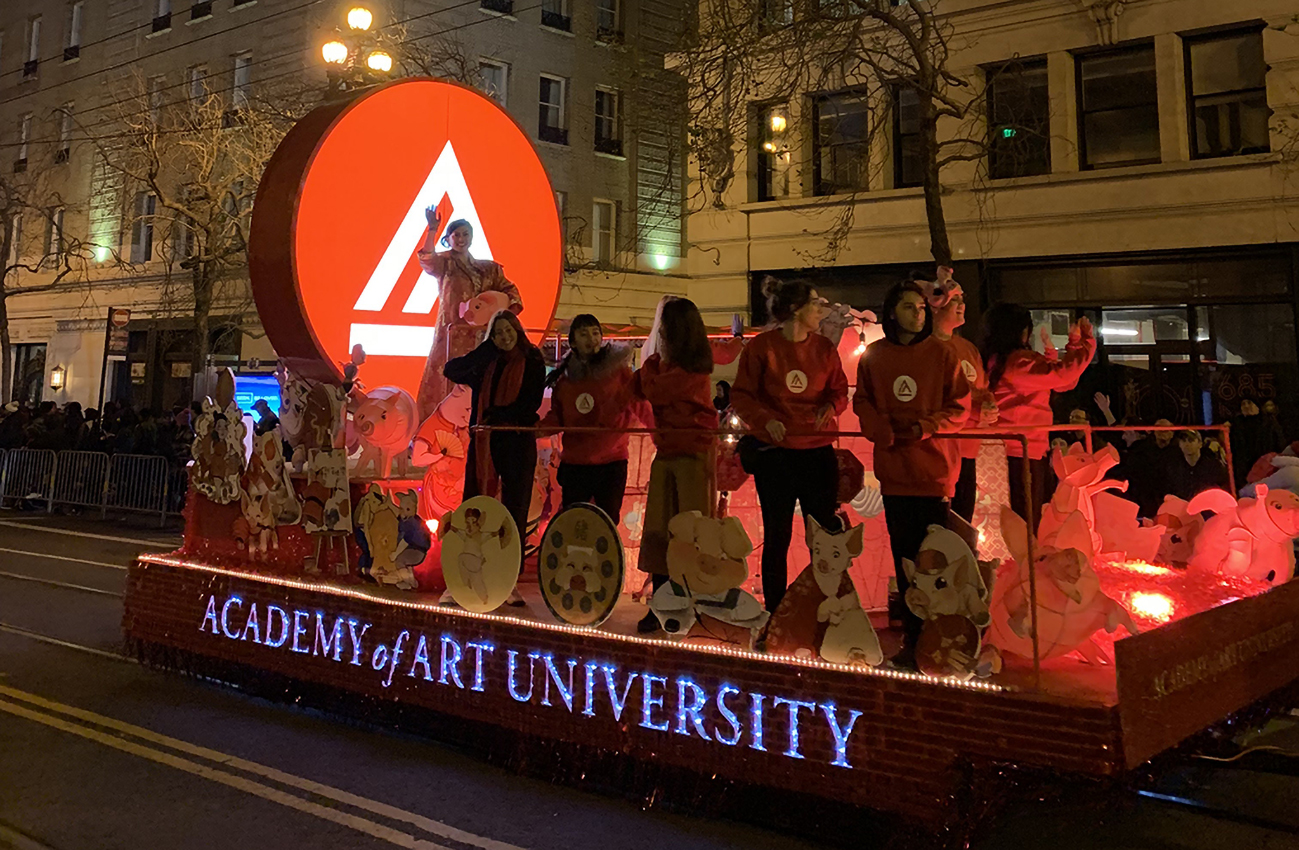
<point>1252,538</point>
<point>327,505</point>
<point>384,423</point>
<point>480,554</point>
<point>1082,476</point>
<point>1070,605</point>
<point>945,579</point>
<point>267,475</point>
<point>1178,528</point>
<point>820,615</point>
<point>581,566</point>
<point>702,601</point>
<point>293,405</point>
<point>255,528</point>
<point>378,533</point>
<point>218,447</point>
<point>441,446</point>
<point>949,645</point>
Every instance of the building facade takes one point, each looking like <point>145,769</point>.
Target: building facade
<point>584,80</point>
<point>1138,166</point>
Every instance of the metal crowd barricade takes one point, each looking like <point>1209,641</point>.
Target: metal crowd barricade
<point>80,480</point>
<point>27,473</point>
<point>138,483</point>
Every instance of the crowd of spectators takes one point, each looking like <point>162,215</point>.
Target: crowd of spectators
<point>117,429</point>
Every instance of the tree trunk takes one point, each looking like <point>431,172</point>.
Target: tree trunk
<point>202,330</point>
<point>6,350</point>
<point>939,243</point>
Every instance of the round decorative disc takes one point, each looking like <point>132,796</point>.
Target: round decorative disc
<point>480,554</point>
<point>580,568</point>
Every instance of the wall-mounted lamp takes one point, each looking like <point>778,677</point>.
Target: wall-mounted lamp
<point>58,375</point>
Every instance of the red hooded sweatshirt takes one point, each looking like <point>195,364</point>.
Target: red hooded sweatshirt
<point>971,362</point>
<point>789,382</point>
<point>1023,393</point>
<point>596,394</point>
<point>680,399</point>
<point>898,387</point>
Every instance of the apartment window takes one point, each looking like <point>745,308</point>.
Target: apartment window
<point>494,79</point>
<point>54,238</point>
<point>604,226</point>
<point>200,9</point>
<point>157,85</point>
<point>24,142</point>
<point>554,14</point>
<point>1228,88</point>
<point>551,125</point>
<point>198,82</point>
<point>15,239</point>
<point>1019,120</point>
<point>64,152</point>
<point>142,230</point>
<point>773,152</point>
<point>72,49</point>
<point>501,7</point>
<point>33,47</point>
<point>608,25</point>
<point>242,79</point>
<point>608,121</point>
<point>161,15</point>
<point>908,163</point>
<point>777,13</point>
<point>842,143</point>
<point>561,204</point>
<point>1118,108</point>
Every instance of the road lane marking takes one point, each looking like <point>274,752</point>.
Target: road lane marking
<point>65,558</point>
<point>37,636</point>
<point>266,792</point>
<point>429,825</point>
<point>63,584</point>
<point>86,534</point>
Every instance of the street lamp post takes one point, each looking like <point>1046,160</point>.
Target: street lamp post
<point>353,57</point>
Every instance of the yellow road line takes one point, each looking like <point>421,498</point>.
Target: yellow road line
<point>426,824</point>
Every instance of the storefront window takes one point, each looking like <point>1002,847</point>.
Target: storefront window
<point>1252,356</point>
<point>29,372</point>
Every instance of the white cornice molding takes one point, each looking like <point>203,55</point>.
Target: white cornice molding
<point>1105,14</point>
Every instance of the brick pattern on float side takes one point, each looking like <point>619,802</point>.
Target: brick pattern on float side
<point>907,750</point>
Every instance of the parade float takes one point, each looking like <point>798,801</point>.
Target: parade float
<point>337,560</point>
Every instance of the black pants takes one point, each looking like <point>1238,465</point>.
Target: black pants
<point>908,519</point>
<point>782,477</point>
<point>514,456</point>
<point>1039,470</point>
<point>602,484</point>
<point>967,491</point>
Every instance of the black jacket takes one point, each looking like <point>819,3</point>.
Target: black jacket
<point>470,371</point>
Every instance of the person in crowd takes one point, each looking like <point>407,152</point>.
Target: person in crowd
<point>267,421</point>
<point>947,304</point>
<point>90,437</point>
<point>1143,468</point>
<point>789,386</point>
<point>591,388</point>
<point>73,420</point>
<point>722,396</point>
<point>506,376</point>
<point>1248,442</point>
<point>1079,417</point>
<point>461,278</point>
<point>13,427</point>
<point>676,380</point>
<point>1273,431</point>
<point>1193,470</point>
<point>1021,381</point>
<point>910,386</point>
<point>146,433</point>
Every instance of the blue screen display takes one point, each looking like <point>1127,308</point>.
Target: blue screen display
<point>249,388</point>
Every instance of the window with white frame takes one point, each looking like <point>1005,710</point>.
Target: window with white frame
<point>15,238</point>
<point>198,82</point>
<point>64,152</point>
<point>494,79</point>
<point>24,142</point>
<point>72,45</point>
<point>33,46</point>
<point>243,77</point>
<point>551,121</point>
<point>607,22</point>
<point>54,238</point>
<point>555,14</point>
<point>157,85</point>
<point>161,15</point>
<point>561,204</point>
<point>183,229</point>
<point>146,204</point>
<point>604,228</point>
<point>608,120</point>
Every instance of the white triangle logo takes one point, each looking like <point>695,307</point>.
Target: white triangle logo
<point>445,178</point>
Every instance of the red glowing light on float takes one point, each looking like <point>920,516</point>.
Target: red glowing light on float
<point>1144,568</point>
<point>432,526</point>
<point>1155,607</point>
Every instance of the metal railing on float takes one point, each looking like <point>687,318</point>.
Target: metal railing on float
<point>121,482</point>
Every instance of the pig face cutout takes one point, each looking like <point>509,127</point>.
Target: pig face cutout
<point>945,579</point>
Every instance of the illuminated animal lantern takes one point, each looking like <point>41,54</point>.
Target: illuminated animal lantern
<point>218,447</point>
<point>945,579</point>
<point>1252,538</point>
<point>1178,529</point>
<point>1121,532</point>
<point>1070,605</point>
<point>1082,477</point>
<point>478,311</point>
<point>820,615</point>
<point>702,601</point>
<point>385,422</point>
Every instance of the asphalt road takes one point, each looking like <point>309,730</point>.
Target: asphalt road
<point>97,752</point>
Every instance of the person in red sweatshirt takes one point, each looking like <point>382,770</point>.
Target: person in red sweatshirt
<point>677,382</point>
<point>789,386</point>
<point>947,304</point>
<point>591,388</point>
<point>1021,382</point>
<point>909,387</point>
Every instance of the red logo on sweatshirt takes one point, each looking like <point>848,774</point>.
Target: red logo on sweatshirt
<point>341,210</point>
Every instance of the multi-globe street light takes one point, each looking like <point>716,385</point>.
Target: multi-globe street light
<point>354,58</point>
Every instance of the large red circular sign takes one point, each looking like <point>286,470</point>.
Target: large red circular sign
<point>340,216</point>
